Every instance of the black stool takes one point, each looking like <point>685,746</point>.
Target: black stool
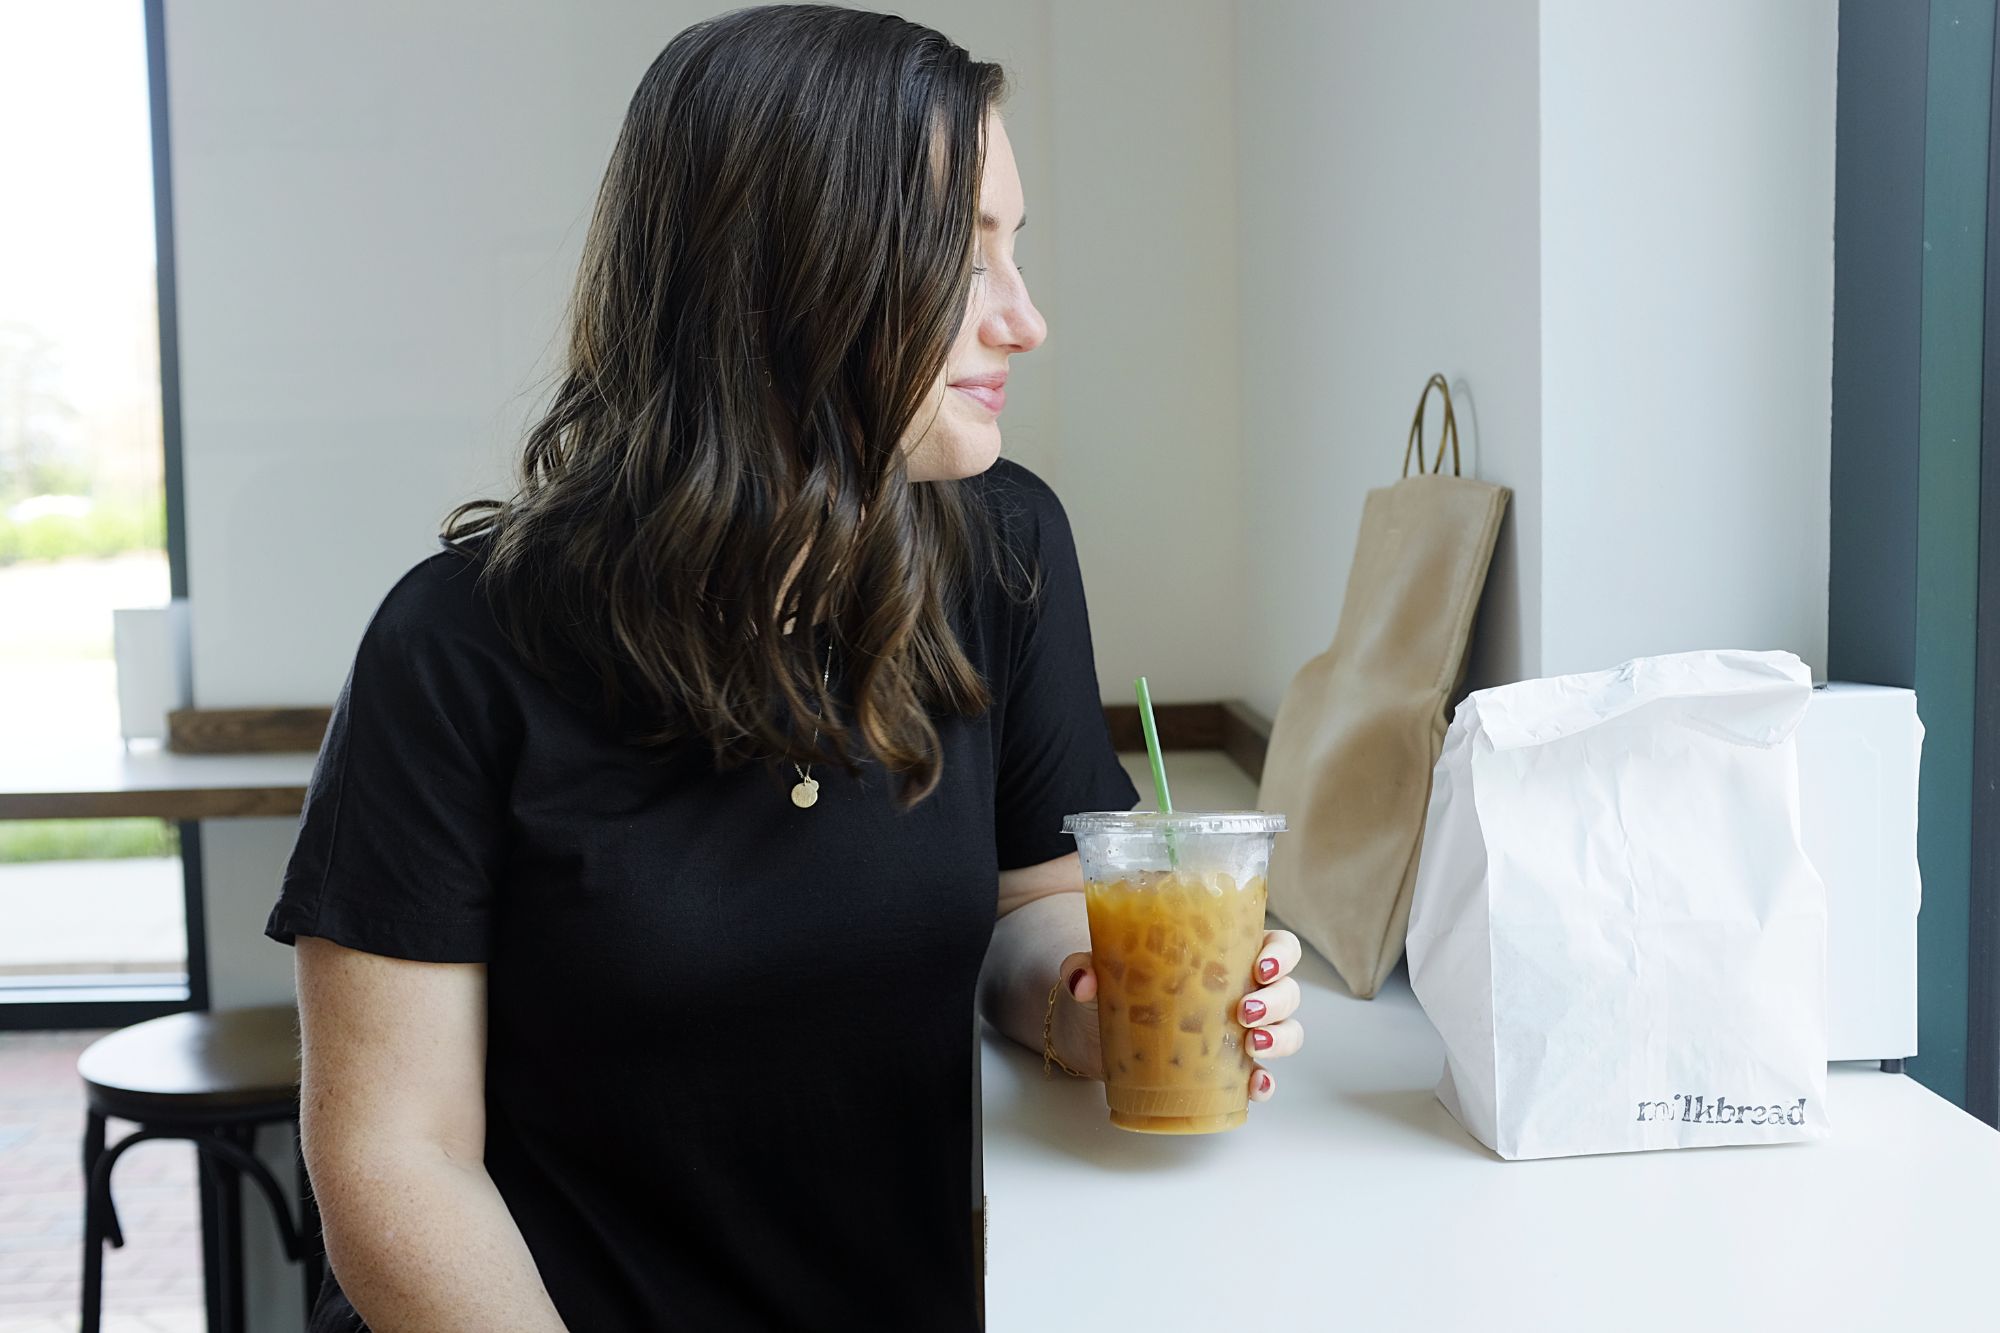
<point>212,1079</point>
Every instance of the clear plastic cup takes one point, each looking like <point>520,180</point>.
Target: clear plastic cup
<point>1176,908</point>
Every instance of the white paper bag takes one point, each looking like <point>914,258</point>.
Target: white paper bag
<point>1615,928</point>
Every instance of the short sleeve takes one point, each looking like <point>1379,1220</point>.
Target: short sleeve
<point>1055,752</point>
<point>403,837</point>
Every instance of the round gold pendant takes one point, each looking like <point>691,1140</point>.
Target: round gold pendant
<point>805,793</point>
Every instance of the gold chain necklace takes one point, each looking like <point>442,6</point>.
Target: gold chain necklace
<point>806,792</point>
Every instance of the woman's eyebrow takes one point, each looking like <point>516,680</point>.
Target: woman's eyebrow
<point>987,222</point>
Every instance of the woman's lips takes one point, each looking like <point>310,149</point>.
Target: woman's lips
<point>989,396</point>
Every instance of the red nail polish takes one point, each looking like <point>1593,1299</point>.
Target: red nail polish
<point>1267,968</point>
<point>1253,1010</point>
<point>1260,1039</point>
<point>1263,1082</point>
<point>1075,977</point>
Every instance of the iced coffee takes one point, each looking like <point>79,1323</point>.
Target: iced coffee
<point>1176,906</point>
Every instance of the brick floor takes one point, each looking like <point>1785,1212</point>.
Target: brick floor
<point>153,1284</point>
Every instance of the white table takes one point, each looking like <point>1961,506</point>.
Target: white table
<point>1353,1201</point>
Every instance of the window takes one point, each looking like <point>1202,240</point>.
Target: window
<point>95,911</point>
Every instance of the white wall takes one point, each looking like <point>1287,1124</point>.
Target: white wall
<point>1687,326</point>
<point>1142,313</point>
<point>1386,158</point>
<point>1611,226</point>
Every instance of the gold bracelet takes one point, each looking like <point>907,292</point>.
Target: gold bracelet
<point>1048,1047</point>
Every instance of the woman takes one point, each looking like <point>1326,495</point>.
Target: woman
<point>674,816</point>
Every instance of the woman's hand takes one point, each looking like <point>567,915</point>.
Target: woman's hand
<point>1266,1012</point>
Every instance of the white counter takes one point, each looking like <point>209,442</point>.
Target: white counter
<point>1352,1200</point>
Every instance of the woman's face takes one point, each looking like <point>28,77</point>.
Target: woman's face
<point>957,434</point>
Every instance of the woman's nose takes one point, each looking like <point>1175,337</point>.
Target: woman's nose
<point>1014,325</point>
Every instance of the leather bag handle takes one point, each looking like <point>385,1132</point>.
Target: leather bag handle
<point>1449,434</point>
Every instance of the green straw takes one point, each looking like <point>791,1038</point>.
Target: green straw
<point>1153,746</point>
<point>1166,799</point>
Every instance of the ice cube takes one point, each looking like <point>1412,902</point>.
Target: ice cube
<point>1146,1015</point>
<point>1215,976</point>
<point>1191,1023</point>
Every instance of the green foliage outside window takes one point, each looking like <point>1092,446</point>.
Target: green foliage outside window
<point>113,526</point>
<point>86,839</point>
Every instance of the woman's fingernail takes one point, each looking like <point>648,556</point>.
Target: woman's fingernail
<point>1263,1082</point>
<point>1075,977</point>
<point>1252,1010</point>
<point>1260,1039</point>
<point>1267,968</point>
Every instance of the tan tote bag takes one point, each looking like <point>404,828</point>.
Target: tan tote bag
<point>1355,740</point>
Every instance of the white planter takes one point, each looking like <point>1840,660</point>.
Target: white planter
<point>150,647</point>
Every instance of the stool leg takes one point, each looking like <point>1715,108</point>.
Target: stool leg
<point>221,1241</point>
<point>93,1227</point>
<point>232,1237</point>
<point>211,1241</point>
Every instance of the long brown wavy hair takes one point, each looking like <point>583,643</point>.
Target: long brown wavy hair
<point>777,263</point>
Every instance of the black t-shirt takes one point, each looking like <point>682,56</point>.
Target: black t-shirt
<point>729,1078</point>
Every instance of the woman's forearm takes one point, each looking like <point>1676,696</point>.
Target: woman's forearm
<point>425,1244</point>
<point>1028,945</point>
